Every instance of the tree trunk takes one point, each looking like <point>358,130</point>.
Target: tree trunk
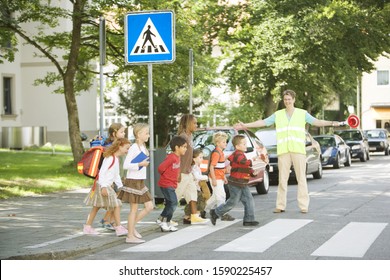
<point>69,78</point>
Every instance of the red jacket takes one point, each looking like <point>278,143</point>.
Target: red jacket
<point>241,169</point>
<point>169,170</point>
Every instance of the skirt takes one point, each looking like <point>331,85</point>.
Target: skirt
<point>134,191</point>
<point>96,199</point>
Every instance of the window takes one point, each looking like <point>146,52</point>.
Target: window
<point>382,77</point>
<point>7,95</point>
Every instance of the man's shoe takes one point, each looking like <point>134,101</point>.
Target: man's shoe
<point>227,217</point>
<point>203,214</point>
<point>304,211</point>
<point>278,210</point>
<point>213,216</point>
<point>196,220</point>
<point>166,227</point>
<point>186,221</point>
<point>252,223</point>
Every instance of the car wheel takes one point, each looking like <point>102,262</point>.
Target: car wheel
<point>348,159</point>
<point>263,187</point>
<point>387,151</point>
<point>363,158</point>
<point>337,164</point>
<point>318,173</point>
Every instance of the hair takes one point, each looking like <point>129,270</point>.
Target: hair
<point>112,130</point>
<point>219,136</point>
<point>289,92</point>
<point>138,127</point>
<point>115,146</point>
<point>237,139</point>
<point>195,154</point>
<point>185,123</point>
<point>177,141</point>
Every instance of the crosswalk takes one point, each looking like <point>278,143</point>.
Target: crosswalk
<point>351,241</point>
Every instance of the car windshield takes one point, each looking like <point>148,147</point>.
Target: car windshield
<point>325,141</point>
<point>375,134</point>
<point>350,135</point>
<point>204,138</point>
<point>268,137</point>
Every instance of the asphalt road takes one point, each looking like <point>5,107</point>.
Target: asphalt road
<point>348,219</point>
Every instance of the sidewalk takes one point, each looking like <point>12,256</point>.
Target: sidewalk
<point>50,227</point>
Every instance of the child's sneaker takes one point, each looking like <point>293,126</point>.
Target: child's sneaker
<point>196,220</point>
<point>89,230</point>
<point>165,227</point>
<point>120,231</point>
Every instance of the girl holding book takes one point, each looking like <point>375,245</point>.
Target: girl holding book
<point>134,190</point>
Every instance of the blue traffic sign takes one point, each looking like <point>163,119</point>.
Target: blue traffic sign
<point>150,37</point>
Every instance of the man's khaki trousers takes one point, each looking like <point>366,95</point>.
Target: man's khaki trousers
<point>284,165</point>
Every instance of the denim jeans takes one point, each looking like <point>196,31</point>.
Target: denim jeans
<point>242,194</point>
<point>170,203</point>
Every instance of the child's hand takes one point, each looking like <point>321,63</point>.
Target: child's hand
<point>104,192</point>
<point>213,182</point>
<point>144,163</point>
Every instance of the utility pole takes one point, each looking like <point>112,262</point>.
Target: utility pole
<point>102,50</point>
<point>191,76</point>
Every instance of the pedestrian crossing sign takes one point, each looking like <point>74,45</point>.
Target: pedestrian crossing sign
<point>150,37</point>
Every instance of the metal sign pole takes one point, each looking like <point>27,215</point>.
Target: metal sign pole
<point>191,79</point>
<point>102,50</point>
<point>151,130</point>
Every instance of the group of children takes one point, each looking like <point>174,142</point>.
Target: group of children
<point>180,177</point>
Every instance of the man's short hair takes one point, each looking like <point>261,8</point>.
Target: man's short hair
<point>237,139</point>
<point>219,136</point>
<point>289,92</point>
<point>177,141</point>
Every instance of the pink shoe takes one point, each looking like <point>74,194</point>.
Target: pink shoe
<point>89,230</point>
<point>120,231</point>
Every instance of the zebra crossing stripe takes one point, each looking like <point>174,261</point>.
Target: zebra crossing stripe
<point>351,241</point>
<point>179,238</point>
<point>260,239</point>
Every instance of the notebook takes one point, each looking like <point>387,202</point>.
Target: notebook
<point>139,158</point>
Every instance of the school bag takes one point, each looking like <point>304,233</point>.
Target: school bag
<point>91,161</point>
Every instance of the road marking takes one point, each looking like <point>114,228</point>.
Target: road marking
<point>260,239</point>
<point>179,238</point>
<point>54,241</point>
<point>351,241</point>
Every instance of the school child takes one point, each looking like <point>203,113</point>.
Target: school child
<point>241,170</point>
<point>115,131</point>
<point>102,195</point>
<point>169,171</point>
<point>186,187</point>
<point>217,170</point>
<point>201,183</point>
<point>134,190</point>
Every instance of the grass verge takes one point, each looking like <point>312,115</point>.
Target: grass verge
<point>27,173</point>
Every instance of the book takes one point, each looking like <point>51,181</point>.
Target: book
<point>139,158</point>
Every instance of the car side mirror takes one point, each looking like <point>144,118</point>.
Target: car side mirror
<point>249,149</point>
<point>309,143</point>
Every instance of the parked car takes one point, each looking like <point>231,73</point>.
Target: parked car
<point>203,138</point>
<point>334,150</point>
<point>378,140</point>
<point>356,139</point>
<point>313,155</point>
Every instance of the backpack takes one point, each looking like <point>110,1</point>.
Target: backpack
<point>92,160</point>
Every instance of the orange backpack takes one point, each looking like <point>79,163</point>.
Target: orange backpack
<point>91,162</point>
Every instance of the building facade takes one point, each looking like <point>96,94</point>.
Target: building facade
<point>375,99</point>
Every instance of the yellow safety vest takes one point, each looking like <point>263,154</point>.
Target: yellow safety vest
<point>290,134</point>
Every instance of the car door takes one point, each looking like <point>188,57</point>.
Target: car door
<point>312,154</point>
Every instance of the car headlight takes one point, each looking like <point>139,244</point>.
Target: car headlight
<point>382,144</point>
<point>356,147</point>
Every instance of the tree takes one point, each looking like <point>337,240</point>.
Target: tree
<point>66,46</point>
<point>318,48</point>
